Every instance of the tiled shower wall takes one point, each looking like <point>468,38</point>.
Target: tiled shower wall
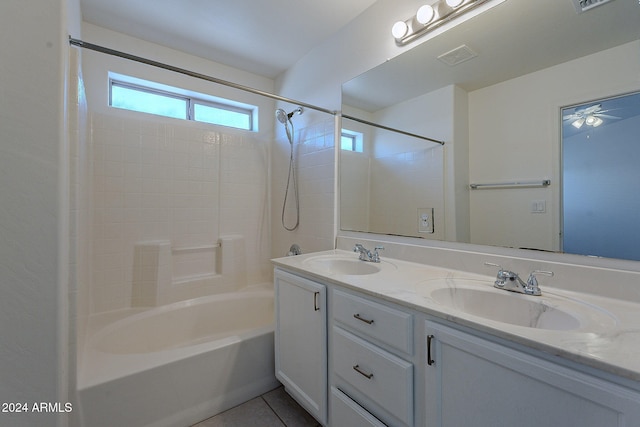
<point>158,179</point>
<point>315,163</point>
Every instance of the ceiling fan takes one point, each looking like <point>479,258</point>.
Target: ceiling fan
<point>591,116</point>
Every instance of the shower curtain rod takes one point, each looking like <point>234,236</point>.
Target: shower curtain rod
<point>124,55</point>
<point>355,119</point>
<point>108,51</point>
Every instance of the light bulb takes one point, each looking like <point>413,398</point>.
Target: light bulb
<point>425,14</point>
<point>591,120</point>
<point>399,29</point>
<point>454,3</point>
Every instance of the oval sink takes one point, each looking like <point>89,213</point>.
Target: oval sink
<point>548,312</point>
<point>335,264</point>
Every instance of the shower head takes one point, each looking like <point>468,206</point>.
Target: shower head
<point>283,117</point>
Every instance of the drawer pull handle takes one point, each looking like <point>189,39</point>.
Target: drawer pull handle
<point>357,316</point>
<point>361,372</point>
<point>430,361</point>
<point>316,306</point>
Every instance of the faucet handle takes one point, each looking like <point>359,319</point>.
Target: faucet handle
<point>490,264</point>
<point>532,282</point>
<point>502,275</point>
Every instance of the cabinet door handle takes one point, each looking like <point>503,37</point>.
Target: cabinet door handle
<point>362,319</point>
<point>430,361</point>
<point>316,306</point>
<point>361,372</point>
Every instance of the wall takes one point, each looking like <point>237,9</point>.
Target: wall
<point>363,44</point>
<point>34,259</point>
<point>159,179</point>
<point>80,227</point>
<point>515,136</point>
<point>314,163</point>
<point>189,184</point>
<point>432,114</point>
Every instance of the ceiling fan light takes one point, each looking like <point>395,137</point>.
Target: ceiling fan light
<point>597,122</point>
<point>425,14</point>
<point>578,123</point>
<point>590,120</point>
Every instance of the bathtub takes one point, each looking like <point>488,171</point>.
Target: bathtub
<point>177,364</point>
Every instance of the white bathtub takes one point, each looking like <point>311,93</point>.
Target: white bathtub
<point>177,364</point>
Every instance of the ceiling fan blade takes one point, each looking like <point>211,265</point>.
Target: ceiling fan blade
<point>606,116</point>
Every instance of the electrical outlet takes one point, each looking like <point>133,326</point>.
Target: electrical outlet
<point>425,220</point>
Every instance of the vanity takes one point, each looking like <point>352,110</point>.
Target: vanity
<point>400,343</point>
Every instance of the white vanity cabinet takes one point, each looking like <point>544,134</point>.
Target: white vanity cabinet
<point>354,360</point>
<point>301,341</point>
<point>471,381</point>
<point>372,371</point>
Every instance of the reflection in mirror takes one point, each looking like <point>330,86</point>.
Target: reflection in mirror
<point>390,181</point>
<point>499,113</point>
<point>600,177</point>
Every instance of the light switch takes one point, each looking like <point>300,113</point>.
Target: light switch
<point>538,206</point>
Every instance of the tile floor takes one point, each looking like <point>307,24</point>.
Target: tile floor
<point>273,409</point>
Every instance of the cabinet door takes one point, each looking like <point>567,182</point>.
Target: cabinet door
<point>301,341</point>
<point>475,382</point>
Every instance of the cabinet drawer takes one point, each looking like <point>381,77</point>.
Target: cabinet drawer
<point>377,374</point>
<point>346,412</point>
<point>382,323</point>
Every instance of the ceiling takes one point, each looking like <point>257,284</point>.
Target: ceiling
<point>265,37</point>
<point>512,39</point>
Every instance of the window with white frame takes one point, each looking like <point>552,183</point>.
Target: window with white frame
<point>351,141</point>
<point>161,100</point>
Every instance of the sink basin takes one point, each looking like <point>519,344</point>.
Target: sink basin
<point>548,312</point>
<point>342,265</point>
<point>511,308</point>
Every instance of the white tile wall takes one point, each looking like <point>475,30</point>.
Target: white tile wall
<point>188,183</point>
<point>315,159</point>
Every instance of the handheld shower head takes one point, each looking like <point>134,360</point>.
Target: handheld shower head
<point>283,117</point>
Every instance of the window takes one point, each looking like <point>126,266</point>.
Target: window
<point>179,105</point>
<point>351,141</point>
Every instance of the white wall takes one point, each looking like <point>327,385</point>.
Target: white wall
<point>34,210</point>
<point>162,179</point>
<point>515,136</point>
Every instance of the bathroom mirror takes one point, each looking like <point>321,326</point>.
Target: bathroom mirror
<point>499,112</point>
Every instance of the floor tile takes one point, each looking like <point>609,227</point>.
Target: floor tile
<point>255,412</point>
<point>288,410</point>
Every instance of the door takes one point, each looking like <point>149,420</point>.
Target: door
<point>301,341</point>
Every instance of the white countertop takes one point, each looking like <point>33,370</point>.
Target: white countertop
<point>609,341</point>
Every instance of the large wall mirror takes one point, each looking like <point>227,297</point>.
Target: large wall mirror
<point>498,179</point>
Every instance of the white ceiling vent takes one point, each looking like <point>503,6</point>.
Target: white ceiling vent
<point>457,55</point>
<point>584,5</point>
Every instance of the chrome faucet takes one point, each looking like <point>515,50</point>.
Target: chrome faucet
<point>510,281</point>
<point>367,255</point>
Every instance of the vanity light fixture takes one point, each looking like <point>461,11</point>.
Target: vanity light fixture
<point>454,3</point>
<point>431,16</point>
<point>425,14</point>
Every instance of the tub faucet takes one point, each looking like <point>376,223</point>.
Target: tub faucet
<point>367,255</point>
<point>294,250</point>
<point>510,281</point>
